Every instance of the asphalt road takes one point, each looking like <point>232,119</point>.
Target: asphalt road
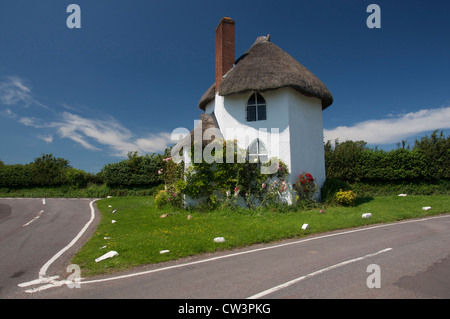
<point>408,259</point>
<point>33,231</point>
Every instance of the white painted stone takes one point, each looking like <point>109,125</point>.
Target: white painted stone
<point>109,254</point>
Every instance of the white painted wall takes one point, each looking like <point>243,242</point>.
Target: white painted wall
<point>306,127</point>
<point>297,119</point>
<point>231,117</point>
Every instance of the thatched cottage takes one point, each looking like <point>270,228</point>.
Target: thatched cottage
<point>266,100</point>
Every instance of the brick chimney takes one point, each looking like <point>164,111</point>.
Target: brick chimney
<point>224,49</point>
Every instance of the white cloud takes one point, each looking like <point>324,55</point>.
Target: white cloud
<point>81,129</point>
<point>154,142</point>
<point>46,138</point>
<point>393,129</point>
<point>8,114</point>
<point>107,132</point>
<point>31,121</point>
<point>92,134</point>
<point>110,133</point>
<point>13,91</point>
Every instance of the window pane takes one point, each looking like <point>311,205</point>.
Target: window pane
<point>251,113</point>
<point>261,112</point>
<point>262,148</point>
<point>264,158</point>
<point>251,100</point>
<point>253,158</point>
<point>260,99</point>
<point>253,148</point>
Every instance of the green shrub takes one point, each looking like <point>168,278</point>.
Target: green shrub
<point>76,177</point>
<point>135,171</point>
<point>331,187</point>
<point>161,199</point>
<point>221,180</point>
<point>168,198</point>
<point>48,170</point>
<point>428,160</point>
<point>346,198</point>
<point>17,175</point>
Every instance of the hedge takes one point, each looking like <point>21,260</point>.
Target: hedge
<point>49,171</point>
<point>135,171</point>
<point>44,171</point>
<point>427,160</point>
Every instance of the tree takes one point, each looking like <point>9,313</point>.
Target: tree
<point>48,170</point>
<point>436,151</point>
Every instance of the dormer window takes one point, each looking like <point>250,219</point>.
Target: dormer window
<point>256,108</point>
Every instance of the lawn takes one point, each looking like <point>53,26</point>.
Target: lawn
<point>139,233</point>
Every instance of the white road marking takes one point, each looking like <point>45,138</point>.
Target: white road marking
<point>44,268</point>
<point>37,281</point>
<point>51,283</point>
<point>246,252</point>
<point>43,278</point>
<point>315,273</point>
<point>34,219</point>
<point>255,250</point>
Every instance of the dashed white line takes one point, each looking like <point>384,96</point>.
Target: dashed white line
<point>315,273</point>
<point>34,219</point>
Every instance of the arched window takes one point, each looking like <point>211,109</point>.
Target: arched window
<point>257,152</point>
<point>256,108</point>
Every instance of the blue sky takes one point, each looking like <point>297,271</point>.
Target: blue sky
<point>136,70</point>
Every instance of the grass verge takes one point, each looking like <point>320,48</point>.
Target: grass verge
<point>139,233</point>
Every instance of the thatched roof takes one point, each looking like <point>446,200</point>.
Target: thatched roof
<point>207,121</point>
<point>267,67</point>
<point>207,97</point>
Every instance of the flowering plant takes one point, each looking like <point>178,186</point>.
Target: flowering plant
<point>170,174</point>
<point>346,198</point>
<point>272,191</point>
<point>305,187</point>
<point>232,181</point>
